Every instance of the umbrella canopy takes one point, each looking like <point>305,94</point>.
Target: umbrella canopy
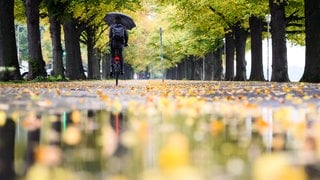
<point>126,20</point>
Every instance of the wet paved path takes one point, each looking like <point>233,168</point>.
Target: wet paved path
<point>194,129</point>
<point>94,94</point>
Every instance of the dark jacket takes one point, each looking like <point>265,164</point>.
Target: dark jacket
<point>117,42</point>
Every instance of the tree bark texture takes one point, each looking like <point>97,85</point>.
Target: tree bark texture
<point>36,62</point>
<point>105,65</point>
<point>230,50</point>
<point>256,29</point>
<point>8,47</point>
<point>196,68</point>
<point>209,66</point>
<point>74,67</point>
<point>57,52</point>
<point>93,56</point>
<point>128,71</point>
<point>169,74</point>
<point>33,139</point>
<point>7,143</point>
<point>279,47</point>
<point>217,64</point>
<point>183,69</point>
<point>240,35</point>
<point>312,65</point>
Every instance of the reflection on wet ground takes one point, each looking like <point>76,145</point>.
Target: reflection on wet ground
<point>174,130</point>
<point>202,142</point>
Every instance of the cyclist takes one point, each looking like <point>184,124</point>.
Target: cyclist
<point>118,38</point>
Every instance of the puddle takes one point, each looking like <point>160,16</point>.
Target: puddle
<point>153,142</point>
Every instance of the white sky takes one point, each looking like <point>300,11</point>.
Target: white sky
<point>296,61</point>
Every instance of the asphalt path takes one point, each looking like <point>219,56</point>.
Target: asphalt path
<point>64,96</point>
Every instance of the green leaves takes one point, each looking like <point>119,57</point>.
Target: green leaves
<point>191,27</point>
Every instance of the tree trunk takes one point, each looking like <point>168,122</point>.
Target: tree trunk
<point>128,71</point>
<point>90,56</point>
<point>183,68</point>
<point>189,68</point>
<point>36,62</point>
<point>74,67</point>
<point>93,62</point>
<point>199,63</point>
<point>201,67</point>
<point>95,66</point>
<point>179,70</point>
<point>169,73</point>
<point>230,49</point>
<point>57,52</point>
<point>209,66</point>
<point>279,47</point>
<point>7,142</point>
<point>312,67</point>
<point>56,127</point>
<point>93,55</point>
<point>105,66</point>
<point>256,28</point>
<point>176,72</point>
<point>217,66</point>
<point>8,47</point>
<point>33,140</point>
<point>192,68</point>
<point>196,68</point>
<point>240,41</point>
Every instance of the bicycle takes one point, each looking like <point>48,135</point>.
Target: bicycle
<point>116,66</point>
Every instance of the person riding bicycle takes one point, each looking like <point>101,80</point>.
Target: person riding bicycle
<point>118,38</point>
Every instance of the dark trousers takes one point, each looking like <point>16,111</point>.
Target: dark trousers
<point>116,47</point>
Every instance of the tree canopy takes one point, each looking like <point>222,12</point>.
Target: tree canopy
<point>190,28</point>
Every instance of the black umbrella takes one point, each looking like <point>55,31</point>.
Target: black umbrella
<point>126,20</point>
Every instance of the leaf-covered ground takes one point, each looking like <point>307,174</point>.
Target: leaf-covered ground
<point>94,94</point>
<point>169,130</point>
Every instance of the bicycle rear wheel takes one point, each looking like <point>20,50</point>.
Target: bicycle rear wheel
<point>117,73</point>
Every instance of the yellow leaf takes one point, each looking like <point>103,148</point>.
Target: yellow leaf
<point>72,135</point>
<point>76,116</point>
<point>48,155</point>
<point>217,126</point>
<point>58,92</point>
<point>286,89</point>
<point>116,107</point>
<point>289,96</point>
<point>45,103</point>
<point>15,116</point>
<point>99,92</point>
<point>306,97</point>
<point>175,154</point>
<point>3,118</point>
<point>31,122</point>
<point>261,123</point>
